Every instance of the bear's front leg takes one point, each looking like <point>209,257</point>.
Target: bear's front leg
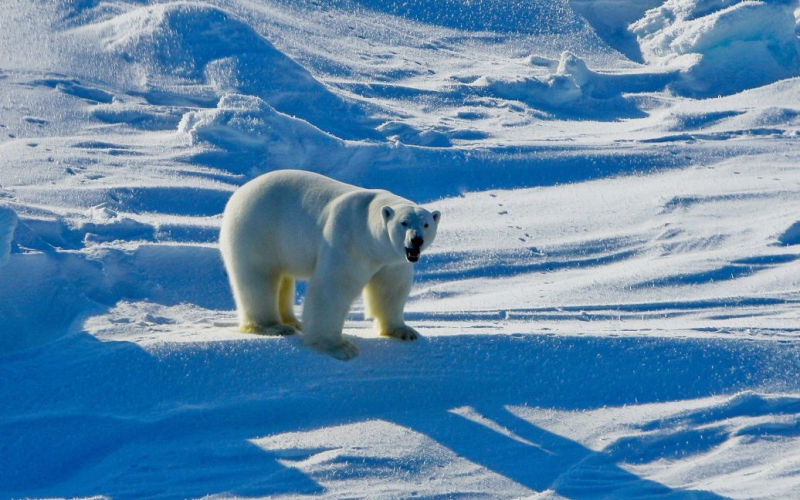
<point>385,299</point>
<point>330,293</point>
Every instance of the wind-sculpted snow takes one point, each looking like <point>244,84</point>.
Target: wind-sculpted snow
<point>246,124</point>
<point>248,136</point>
<point>610,20</point>
<point>573,90</point>
<point>611,308</point>
<point>721,46</point>
<point>204,49</point>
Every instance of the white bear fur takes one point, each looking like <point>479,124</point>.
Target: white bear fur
<point>343,239</point>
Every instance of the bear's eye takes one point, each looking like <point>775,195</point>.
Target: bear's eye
<point>404,223</point>
<point>426,225</point>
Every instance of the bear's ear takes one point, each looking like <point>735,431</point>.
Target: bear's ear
<point>387,212</point>
<point>436,216</point>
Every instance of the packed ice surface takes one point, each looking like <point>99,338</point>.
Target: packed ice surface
<point>610,308</point>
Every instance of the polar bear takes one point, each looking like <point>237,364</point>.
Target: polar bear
<point>289,224</point>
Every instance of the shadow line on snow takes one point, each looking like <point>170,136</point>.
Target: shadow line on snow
<point>550,462</point>
<point>426,174</point>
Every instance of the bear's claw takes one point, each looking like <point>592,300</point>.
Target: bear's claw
<point>403,333</point>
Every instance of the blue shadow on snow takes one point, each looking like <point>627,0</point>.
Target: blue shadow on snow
<point>83,417</point>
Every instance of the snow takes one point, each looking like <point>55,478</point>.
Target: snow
<point>724,46</point>
<point>610,308</point>
<point>208,51</point>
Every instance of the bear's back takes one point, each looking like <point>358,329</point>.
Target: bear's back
<point>280,217</point>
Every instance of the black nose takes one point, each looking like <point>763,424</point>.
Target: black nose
<point>416,241</point>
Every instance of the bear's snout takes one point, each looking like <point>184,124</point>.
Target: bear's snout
<point>416,241</point>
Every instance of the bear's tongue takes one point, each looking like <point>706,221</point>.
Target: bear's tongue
<point>412,254</point>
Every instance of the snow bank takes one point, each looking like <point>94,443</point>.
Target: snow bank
<point>8,223</point>
<point>201,48</point>
<point>723,46</point>
<point>771,110</point>
<point>43,294</point>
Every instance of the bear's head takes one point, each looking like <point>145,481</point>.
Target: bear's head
<point>411,229</point>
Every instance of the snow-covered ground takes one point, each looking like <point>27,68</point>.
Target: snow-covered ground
<point>611,308</point>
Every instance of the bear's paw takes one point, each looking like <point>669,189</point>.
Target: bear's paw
<point>404,332</point>
<point>275,329</point>
<point>294,323</point>
<point>342,350</point>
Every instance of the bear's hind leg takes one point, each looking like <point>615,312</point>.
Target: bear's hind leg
<point>286,303</point>
<point>256,297</point>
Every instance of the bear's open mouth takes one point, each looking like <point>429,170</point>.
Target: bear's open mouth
<point>412,254</point>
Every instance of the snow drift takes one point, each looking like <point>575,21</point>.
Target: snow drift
<point>248,125</point>
<point>251,137</point>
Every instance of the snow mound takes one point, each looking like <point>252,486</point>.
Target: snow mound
<point>405,133</point>
<point>264,137</point>
<point>202,49</point>
<point>575,90</point>
<point>248,136</point>
<point>8,223</point>
<point>722,46</point>
<point>563,88</point>
<point>103,224</point>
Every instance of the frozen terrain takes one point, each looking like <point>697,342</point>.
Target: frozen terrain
<point>611,308</point>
